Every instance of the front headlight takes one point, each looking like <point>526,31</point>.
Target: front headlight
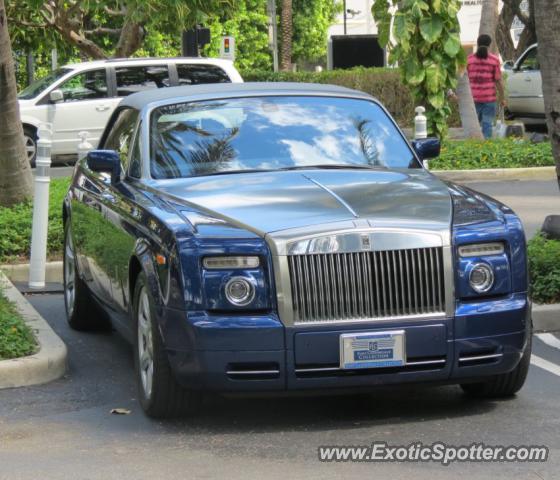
<point>239,291</point>
<point>236,282</point>
<point>481,277</point>
<point>226,262</point>
<point>481,249</point>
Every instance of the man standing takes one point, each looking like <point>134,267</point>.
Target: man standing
<point>485,76</point>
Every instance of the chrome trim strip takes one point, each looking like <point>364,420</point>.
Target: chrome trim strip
<point>513,95</point>
<point>330,192</point>
<point>252,372</point>
<point>361,321</point>
<point>480,357</point>
<point>335,369</point>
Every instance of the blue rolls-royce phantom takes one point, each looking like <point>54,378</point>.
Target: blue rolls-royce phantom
<point>279,237</point>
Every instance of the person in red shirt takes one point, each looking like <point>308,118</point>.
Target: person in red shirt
<point>485,77</point>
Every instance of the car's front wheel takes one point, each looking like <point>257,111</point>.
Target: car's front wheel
<point>504,385</point>
<point>159,393</point>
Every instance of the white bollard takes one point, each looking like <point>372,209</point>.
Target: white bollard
<point>420,123</point>
<point>84,146</point>
<point>41,208</point>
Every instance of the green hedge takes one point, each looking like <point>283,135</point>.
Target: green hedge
<point>544,269</point>
<point>383,83</point>
<point>497,153</point>
<point>15,225</point>
<point>16,339</point>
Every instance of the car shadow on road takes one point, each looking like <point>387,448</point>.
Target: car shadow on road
<point>394,405</point>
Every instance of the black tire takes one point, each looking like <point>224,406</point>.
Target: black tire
<point>30,134</point>
<point>82,312</point>
<point>504,385</point>
<point>166,398</point>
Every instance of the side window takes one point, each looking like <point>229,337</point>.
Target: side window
<point>530,62</point>
<point>195,74</point>
<point>136,79</point>
<point>120,136</point>
<point>135,167</point>
<point>85,86</point>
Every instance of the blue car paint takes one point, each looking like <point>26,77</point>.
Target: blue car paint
<point>204,339</point>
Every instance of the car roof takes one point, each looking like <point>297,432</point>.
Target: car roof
<point>163,96</point>
<point>119,62</point>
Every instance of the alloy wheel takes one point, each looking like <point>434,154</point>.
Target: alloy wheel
<point>69,274</point>
<point>30,147</point>
<point>145,343</point>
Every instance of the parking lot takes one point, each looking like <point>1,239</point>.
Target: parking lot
<point>56,430</point>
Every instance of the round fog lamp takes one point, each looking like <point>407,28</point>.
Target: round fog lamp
<point>240,291</point>
<point>481,277</point>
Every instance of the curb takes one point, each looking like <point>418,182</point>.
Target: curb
<point>497,174</point>
<point>20,272</point>
<point>546,317</point>
<point>48,364</point>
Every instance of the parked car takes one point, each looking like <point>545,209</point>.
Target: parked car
<point>82,96</point>
<point>524,88</point>
<point>279,237</point>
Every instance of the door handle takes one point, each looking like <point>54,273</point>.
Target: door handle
<point>102,108</point>
<point>528,79</point>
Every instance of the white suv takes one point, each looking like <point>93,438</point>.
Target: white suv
<point>524,88</point>
<point>82,96</point>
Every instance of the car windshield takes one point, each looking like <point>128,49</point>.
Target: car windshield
<point>41,84</point>
<point>273,133</point>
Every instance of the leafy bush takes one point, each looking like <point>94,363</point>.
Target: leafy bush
<point>15,225</point>
<point>16,339</point>
<point>497,153</point>
<point>383,83</point>
<point>544,269</point>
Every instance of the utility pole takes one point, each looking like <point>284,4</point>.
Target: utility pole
<point>273,32</point>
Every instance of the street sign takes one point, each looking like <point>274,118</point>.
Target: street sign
<point>227,48</point>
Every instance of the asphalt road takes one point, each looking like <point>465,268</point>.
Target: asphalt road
<point>64,430</point>
<point>531,200</point>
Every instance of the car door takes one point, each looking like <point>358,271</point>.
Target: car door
<point>524,86</point>
<point>86,106</point>
<point>103,248</point>
<point>119,208</point>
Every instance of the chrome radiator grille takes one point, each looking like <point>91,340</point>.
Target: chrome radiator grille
<point>367,285</point>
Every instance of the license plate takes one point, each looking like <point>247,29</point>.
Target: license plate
<point>372,349</point>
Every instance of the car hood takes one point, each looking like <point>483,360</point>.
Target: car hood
<point>266,202</point>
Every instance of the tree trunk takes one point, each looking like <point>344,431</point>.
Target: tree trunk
<point>130,39</point>
<point>547,16</point>
<point>469,119</point>
<point>286,36</point>
<point>504,41</point>
<point>15,172</point>
<point>489,22</point>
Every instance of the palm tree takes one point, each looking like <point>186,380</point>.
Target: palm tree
<point>547,18</point>
<point>489,22</point>
<point>15,172</point>
<point>467,112</point>
<point>286,35</point>
<point>469,120</point>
